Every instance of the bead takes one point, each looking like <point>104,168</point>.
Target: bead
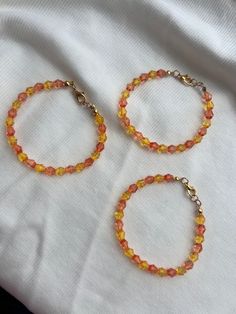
<point>39,167</point>
<point>121,205</point>
<point>10,131</point>
<point>48,85</point>
<point>181,148</point>
<point>130,87</point>
<point>88,162</point>
<point>102,138</point>
<point>95,155</point>
<point>171,272</point>
<point>162,272</point>
<point>120,235</point>
<point>9,122</point>
<point>22,97</point>
<point>124,244</point>
<point>144,77</point>
<point>17,148</point>
<point>209,114</point>
<point>197,139</point>
<point>140,183</point>
<point>30,163</point>
<point>99,119</point>
<point>159,178</point>
<point>162,148</point>
<point>130,129</point>
<point>193,257</point>
<point>102,128</point>
<point>137,136</point>
<point>79,167</point>
<point>161,73</point>
<point>129,252</point>
<point>152,269</point>
<point>119,225</point>
<point>171,149</point>
<point>188,265</point>
<point>70,169</point>
<point>29,91</point>
<point>145,141</point>
<point>207,96</point>
<point>60,171</point>
<point>200,229</point>
<point>197,248</point>
<point>136,259</point>
<point>180,270</point>
<point>206,123</point>
<point>123,102</point>
<point>199,239</point>
<point>202,131</point>
<point>125,94</point>
<point>12,113</point>
<point>143,265</point>
<point>200,219</point>
<point>22,157</point>
<point>12,140</point>
<point>132,188</point>
<point>119,215</point>
<point>50,171</point>
<point>136,81</point>
<point>126,196</point>
<point>122,112</point>
<point>152,74</point>
<point>16,104</point>
<point>153,146</point>
<point>189,144</point>
<point>168,177</point>
<point>149,180</point>
<point>58,84</point>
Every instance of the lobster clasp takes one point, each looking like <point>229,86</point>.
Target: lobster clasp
<point>186,79</point>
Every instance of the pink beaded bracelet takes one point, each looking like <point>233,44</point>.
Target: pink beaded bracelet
<point>152,145</point>
<point>199,230</point>
<point>38,167</point>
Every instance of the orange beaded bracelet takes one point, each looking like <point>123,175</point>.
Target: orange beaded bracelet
<point>199,231</point>
<point>154,146</point>
<point>49,170</point>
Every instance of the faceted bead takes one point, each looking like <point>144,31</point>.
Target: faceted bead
<point>209,114</point>
<point>189,144</point>
<point>70,169</point>
<point>119,225</point>
<point>188,265</point>
<point>125,94</point>
<point>144,77</point>
<point>99,119</point>
<point>22,157</point>
<point>10,131</point>
<point>50,171</point>
<point>129,252</point>
<point>206,123</point>
<point>12,113</point>
<point>58,84</point>
<point>207,96</point>
<point>199,239</point>
<point>123,102</point>
<point>152,74</point>
<point>29,91</point>
<point>208,105</point>
<point>17,149</point>
<point>180,270</point>
<point>161,73</point>
<point>102,138</point>
<point>152,269</point>
<point>9,122</point>
<point>200,229</point>
<point>22,97</point>
<point>149,179</point>
<point>132,188</point>
<point>48,85</point>
<point>197,139</point>
<point>137,136</point>
<point>38,87</point>
<point>159,178</point>
<point>95,155</point>
<point>202,131</point>
<point>119,215</point>
<point>136,259</point>
<point>140,183</point>
<point>60,171</point>
<point>121,205</point>
<point>120,235</point>
<point>30,163</point>
<point>126,196</point>
<point>153,146</point>
<point>12,140</point>
<point>193,257</point>
<point>171,272</point>
<point>122,112</point>
<point>102,128</point>
<point>162,148</point>
<point>171,149</point>
<point>197,248</point>
<point>130,87</point>
<point>143,265</point>
<point>145,141</point>
<point>168,177</point>
<point>162,272</point>
<point>200,219</point>
<point>16,104</point>
<point>125,121</point>
<point>130,129</point>
<point>88,162</point>
<point>124,244</point>
<point>181,148</point>
<point>39,167</point>
<point>136,81</point>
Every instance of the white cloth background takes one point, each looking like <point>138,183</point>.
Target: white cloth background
<point>58,253</point>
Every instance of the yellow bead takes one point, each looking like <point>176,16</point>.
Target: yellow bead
<point>152,74</point>
<point>206,123</point>
<point>130,129</point>
<point>199,239</point>
<point>145,141</point>
<point>208,105</point>
<point>120,235</point>
<point>39,168</point>
<point>11,140</point>
<point>29,91</point>
<point>9,121</point>
<point>122,112</point>
<point>181,270</point>
<point>136,82</point>
<point>162,148</point>
<point>79,167</point>
<point>22,157</point>
<point>162,272</point>
<point>200,219</point>
<point>126,196</point>
<point>143,265</point>
<point>197,138</point>
<point>159,178</point>
<point>125,94</point>
<point>95,155</point>
<point>60,171</point>
<point>99,119</point>
<point>119,215</point>
<point>48,85</point>
<point>102,138</point>
<point>129,252</point>
<point>16,104</point>
<point>181,148</point>
<point>140,183</point>
<point>193,257</point>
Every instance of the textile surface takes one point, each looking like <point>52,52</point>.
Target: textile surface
<point>58,252</point>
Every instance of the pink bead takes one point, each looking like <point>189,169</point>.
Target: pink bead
<point>70,169</point>
<point>161,73</point>
<point>168,177</point>
<point>188,265</point>
<point>50,171</point>
<point>189,144</point>
<point>121,205</point>
<point>137,136</point>
<point>130,87</point>
<point>118,225</point>
<point>22,96</point>
<point>123,102</point>
<point>12,113</point>
<point>197,248</point>
<point>209,114</point>
<point>171,149</point>
<point>149,179</point>
<point>152,268</point>
<point>100,147</point>
<point>17,149</point>
<point>88,162</point>
<point>136,259</point>
<point>171,272</point>
<point>153,146</point>
<point>10,131</point>
<point>125,121</point>
<point>207,96</point>
<point>38,87</point>
<point>202,131</point>
<point>200,229</point>
<point>132,188</point>
<point>102,128</point>
<point>30,163</point>
<point>144,77</point>
<point>58,84</point>
<point>124,244</point>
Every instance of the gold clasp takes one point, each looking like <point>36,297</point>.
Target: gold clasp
<point>186,79</point>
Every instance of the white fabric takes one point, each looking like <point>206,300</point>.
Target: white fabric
<point>58,253</point>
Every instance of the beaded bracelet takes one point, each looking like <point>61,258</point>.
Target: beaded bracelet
<point>49,170</point>
<point>152,145</point>
<point>199,231</point>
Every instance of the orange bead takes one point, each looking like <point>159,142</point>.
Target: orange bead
<point>50,171</point>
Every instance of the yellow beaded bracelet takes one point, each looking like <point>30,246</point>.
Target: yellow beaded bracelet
<point>199,231</point>
<point>152,145</point>
<point>49,170</point>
